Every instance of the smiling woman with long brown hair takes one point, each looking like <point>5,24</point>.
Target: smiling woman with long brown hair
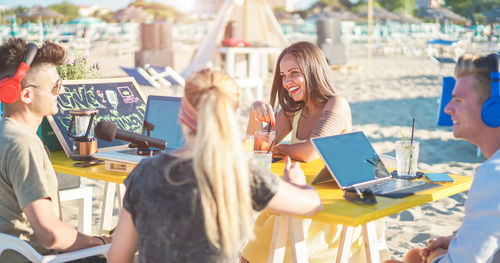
<point>310,106</point>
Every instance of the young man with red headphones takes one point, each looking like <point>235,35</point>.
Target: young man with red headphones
<point>29,88</point>
<point>475,112</point>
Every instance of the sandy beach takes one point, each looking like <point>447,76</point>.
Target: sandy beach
<point>384,97</point>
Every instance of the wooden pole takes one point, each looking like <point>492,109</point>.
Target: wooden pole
<point>369,43</point>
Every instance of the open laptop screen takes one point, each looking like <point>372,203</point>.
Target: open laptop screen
<point>163,113</point>
<point>351,158</point>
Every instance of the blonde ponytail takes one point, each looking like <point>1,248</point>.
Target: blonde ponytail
<point>220,163</point>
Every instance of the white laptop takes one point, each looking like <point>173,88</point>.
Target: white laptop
<point>162,112</point>
<point>352,162</point>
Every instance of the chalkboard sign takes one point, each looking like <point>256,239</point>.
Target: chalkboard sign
<point>118,100</point>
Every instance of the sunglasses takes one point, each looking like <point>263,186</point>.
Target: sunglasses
<point>55,90</point>
<point>360,197</point>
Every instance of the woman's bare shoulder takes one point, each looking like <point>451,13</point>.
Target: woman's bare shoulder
<point>337,103</point>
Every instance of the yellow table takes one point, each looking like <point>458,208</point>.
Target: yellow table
<point>113,184</point>
<point>337,210</point>
<point>63,164</point>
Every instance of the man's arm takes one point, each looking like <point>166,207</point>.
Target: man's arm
<point>51,233</point>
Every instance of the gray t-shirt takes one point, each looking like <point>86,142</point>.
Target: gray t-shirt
<point>169,218</point>
<point>26,175</point>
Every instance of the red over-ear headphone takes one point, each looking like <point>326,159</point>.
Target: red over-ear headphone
<point>10,88</point>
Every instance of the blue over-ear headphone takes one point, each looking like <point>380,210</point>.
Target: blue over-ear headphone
<point>490,113</point>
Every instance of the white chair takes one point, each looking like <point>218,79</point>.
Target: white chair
<point>142,77</point>
<point>247,85</point>
<point>21,246</point>
<point>166,74</point>
<point>84,196</point>
<point>154,76</point>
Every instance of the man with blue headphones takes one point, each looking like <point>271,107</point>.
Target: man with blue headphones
<point>475,112</point>
<point>29,87</point>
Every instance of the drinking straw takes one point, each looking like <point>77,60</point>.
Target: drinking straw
<point>271,146</point>
<point>269,126</point>
<point>412,131</point>
<point>411,143</point>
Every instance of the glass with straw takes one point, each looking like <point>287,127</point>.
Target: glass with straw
<point>407,156</point>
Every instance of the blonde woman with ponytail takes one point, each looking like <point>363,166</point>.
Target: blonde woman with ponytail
<point>195,204</point>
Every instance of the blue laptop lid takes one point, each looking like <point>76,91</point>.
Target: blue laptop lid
<point>163,113</point>
<point>350,158</point>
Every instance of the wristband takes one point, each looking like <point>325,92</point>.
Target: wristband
<point>102,239</point>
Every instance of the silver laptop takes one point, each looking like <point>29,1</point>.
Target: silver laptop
<point>352,162</point>
<point>162,112</point>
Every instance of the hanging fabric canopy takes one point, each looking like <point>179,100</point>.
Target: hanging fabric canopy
<point>254,19</point>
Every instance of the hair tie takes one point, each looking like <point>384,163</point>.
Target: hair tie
<point>188,114</point>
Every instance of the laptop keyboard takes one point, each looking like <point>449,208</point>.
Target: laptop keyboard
<point>391,185</point>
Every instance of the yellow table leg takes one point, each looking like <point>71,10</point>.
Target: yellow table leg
<point>297,240</point>
<point>370,242</point>
<point>344,244</point>
<point>278,243</point>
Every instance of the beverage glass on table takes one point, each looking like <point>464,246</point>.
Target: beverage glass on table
<point>248,143</point>
<point>407,158</point>
<point>263,159</point>
<point>263,139</point>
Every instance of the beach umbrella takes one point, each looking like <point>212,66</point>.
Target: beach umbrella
<point>29,25</point>
<point>381,14</point>
<point>283,15</point>
<point>408,19</point>
<point>40,12</point>
<point>439,41</point>
<point>493,16</point>
<point>131,13</point>
<point>86,20</point>
<point>14,31</point>
<point>444,14</point>
<point>342,15</point>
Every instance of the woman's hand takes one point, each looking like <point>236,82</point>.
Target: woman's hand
<point>442,243</point>
<point>278,150</point>
<point>293,173</point>
<point>263,112</point>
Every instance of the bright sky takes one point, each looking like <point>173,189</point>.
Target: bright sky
<point>182,5</point>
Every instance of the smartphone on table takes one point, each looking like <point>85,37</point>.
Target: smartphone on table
<point>88,163</point>
<point>439,178</point>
